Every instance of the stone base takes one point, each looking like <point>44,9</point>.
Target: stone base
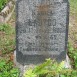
<point>23,68</point>
<point>67,62</point>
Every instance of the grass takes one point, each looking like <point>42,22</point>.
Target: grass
<point>73,7</point>
<point>73,22</point>
<point>3,3</point>
<point>7,38</point>
<point>7,69</point>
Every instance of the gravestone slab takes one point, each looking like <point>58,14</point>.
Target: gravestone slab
<point>41,30</point>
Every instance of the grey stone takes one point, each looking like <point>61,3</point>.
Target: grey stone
<point>41,30</point>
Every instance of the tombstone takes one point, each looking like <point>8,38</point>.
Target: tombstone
<point>41,30</point>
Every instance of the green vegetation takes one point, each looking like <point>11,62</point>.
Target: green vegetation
<point>2,3</point>
<point>50,69</point>
<point>73,8</point>
<point>7,38</point>
<point>72,52</point>
<point>7,69</point>
<point>7,45</point>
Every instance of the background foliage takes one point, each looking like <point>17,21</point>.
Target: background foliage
<point>7,69</point>
<point>7,40</point>
<point>3,3</point>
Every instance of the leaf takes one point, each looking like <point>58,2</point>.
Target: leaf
<point>29,73</point>
<point>60,67</point>
<point>62,76</point>
<point>41,67</point>
<point>2,63</point>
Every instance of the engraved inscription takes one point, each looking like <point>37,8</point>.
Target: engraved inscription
<point>41,26</point>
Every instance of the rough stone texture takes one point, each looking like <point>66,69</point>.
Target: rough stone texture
<point>41,30</point>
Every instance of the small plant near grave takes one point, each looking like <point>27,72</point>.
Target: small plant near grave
<point>7,69</point>
<point>7,38</point>
<point>50,69</point>
<point>6,28</point>
<point>72,52</point>
<point>3,3</point>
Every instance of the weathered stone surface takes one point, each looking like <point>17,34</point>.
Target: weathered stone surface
<point>41,30</point>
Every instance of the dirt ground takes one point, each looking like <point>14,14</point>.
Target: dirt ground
<point>73,30</point>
